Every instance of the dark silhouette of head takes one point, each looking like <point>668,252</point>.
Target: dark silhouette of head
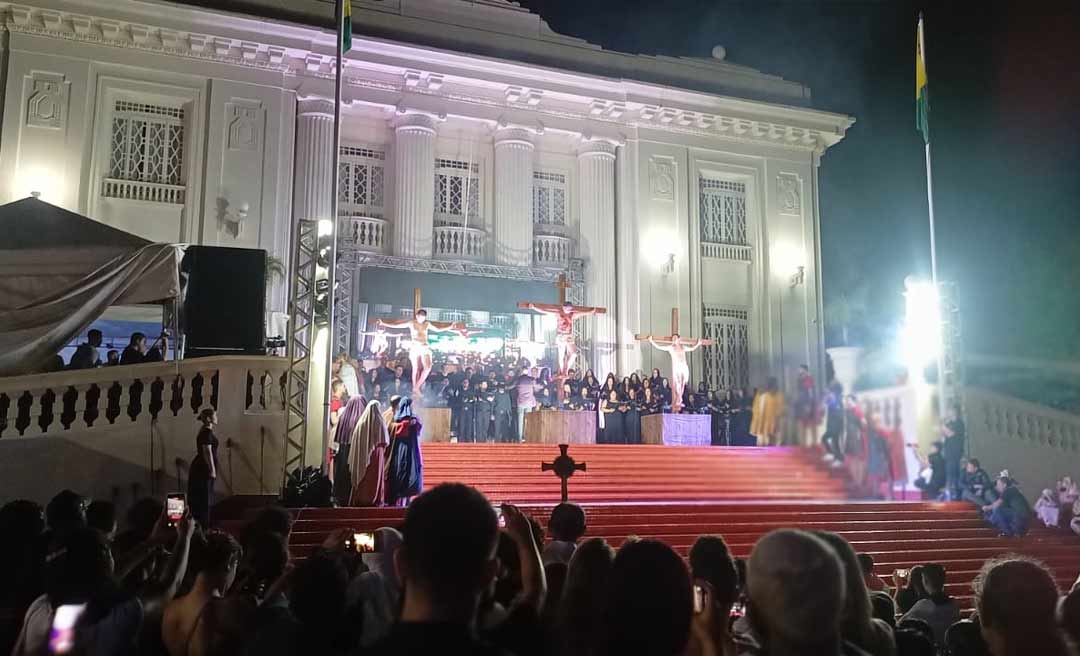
<point>102,516</point>
<point>447,559</point>
<point>711,561</point>
<point>567,522</point>
<point>93,337</point>
<point>648,605</point>
<point>66,512</point>
<point>786,568</point>
<point>1016,599</point>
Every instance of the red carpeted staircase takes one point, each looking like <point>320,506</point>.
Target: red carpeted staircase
<point>676,494</point>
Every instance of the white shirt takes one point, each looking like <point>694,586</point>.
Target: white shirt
<point>347,374</point>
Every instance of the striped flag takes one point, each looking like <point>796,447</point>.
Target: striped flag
<point>346,27</point>
<point>922,98</point>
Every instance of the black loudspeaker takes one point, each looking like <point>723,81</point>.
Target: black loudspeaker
<point>224,301</point>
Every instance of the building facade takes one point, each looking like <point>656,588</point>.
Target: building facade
<point>476,143</point>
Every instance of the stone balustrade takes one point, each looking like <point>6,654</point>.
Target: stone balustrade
<point>1036,443</point>
<point>552,251</point>
<point>733,252</point>
<point>458,243</point>
<point>363,233</point>
<point>93,430</point>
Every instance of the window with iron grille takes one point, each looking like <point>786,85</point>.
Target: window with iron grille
<point>146,152</point>
<point>457,192</point>
<point>727,360</point>
<point>549,199</point>
<point>361,186</point>
<point>723,211</point>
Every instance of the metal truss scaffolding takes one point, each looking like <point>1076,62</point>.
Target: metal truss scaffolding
<point>301,338</point>
<point>951,378</point>
<point>343,308</point>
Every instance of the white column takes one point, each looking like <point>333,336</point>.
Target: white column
<point>414,185</point>
<point>513,196</point>
<point>627,260</point>
<point>314,181</point>
<point>596,209</point>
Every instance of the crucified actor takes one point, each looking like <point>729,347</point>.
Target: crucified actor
<point>420,350</point>
<point>564,329</point>
<point>680,371</point>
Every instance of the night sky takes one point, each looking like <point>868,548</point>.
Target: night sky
<point>1005,129</point>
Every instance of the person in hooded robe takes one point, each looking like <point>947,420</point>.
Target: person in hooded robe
<point>405,474</point>
<point>348,419</point>
<point>368,456</point>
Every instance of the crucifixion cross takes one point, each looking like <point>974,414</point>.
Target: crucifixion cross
<point>564,467</point>
<point>668,339</point>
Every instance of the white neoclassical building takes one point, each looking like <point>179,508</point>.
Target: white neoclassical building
<point>482,155</point>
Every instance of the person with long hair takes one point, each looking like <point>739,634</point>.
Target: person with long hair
<point>631,417</point>
<point>405,475</point>
<point>611,420</point>
<point>370,440</point>
<point>578,620</point>
<point>655,379</point>
<point>1016,599</point>
<point>858,625</point>
<point>610,385</point>
<point>635,382</point>
<point>590,383</point>
<point>203,470</point>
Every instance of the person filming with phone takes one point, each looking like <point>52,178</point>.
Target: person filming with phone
<point>716,589</point>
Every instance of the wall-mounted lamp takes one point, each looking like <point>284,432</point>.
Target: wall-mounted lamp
<point>232,222</point>
<point>798,278</point>
<point>667,266</point>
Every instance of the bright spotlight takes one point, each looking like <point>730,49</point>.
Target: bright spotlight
<point>326,227</point>
<point>922,326</point>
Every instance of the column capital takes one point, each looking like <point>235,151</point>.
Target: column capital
<point>315,105</point>
<point>597,147</point>
<point>514,135</point>
<point>407,119</point>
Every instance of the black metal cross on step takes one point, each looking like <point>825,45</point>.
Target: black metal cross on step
<point>564,467</point>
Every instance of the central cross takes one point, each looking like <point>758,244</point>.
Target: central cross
<point>564,467</point>
<point>565,314</point>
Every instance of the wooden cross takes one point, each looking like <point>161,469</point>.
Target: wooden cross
<point>668,339</point>
<point>562,284</point>
<point>564,467</point>
<point>416,300</point>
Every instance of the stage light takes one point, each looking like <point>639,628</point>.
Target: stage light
<point>660,250</point>
<point>38,182</point>
<point>921,338</point>
<point>326,227</point>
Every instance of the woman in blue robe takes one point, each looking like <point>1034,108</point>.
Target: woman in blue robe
<point>405,474</point>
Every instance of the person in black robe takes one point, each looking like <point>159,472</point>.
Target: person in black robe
<point>631,418</point>
<point>467,423</point>
<point>572,399</point>
<point>656,381</point>
<point>665,393</point>
<point>651,403</point>
<point>589,384</point>
<point>483,412</point>
<point>741,431</point>
<point>503,410</point>
<point>454,395</point>
<point>635,382</point>
<point>700,399</point>
<point>611,433</point>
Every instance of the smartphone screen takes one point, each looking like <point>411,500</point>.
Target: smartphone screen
<point>738,609</point>
<point>699,599</point>
<point>364,542</point>
<point>175,506</point>
<point>499,515</point>
<point>62,634</point>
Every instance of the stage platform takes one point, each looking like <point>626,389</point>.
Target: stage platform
<point>676,430</point>
<point>560,427</point>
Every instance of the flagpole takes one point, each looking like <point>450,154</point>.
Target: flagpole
<point>331,275</point>
<point>933,247</point>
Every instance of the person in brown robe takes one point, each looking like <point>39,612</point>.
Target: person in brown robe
<point>368,455</point>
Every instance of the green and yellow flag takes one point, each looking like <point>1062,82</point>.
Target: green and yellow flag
<point>346,27</point>
<point>922,98</point>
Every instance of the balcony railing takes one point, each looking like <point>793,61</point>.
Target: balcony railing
<point>151,192</point>
<point>552,250</point>
<point>364,233</point>
<point>734,252</point>
<point>455,243</point>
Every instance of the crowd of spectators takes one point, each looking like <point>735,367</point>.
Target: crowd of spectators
<point>88,354</point>
<point>1060,507</point>
<point>450,580</point>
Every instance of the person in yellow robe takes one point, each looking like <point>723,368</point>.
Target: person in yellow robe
<point>767,410</point>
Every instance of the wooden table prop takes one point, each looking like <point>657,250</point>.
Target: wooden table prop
<point>676,430</point>
<point>436,423</point>
<point>560,427</point>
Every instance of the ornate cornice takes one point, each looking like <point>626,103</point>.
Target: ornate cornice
<point>788,127</point>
